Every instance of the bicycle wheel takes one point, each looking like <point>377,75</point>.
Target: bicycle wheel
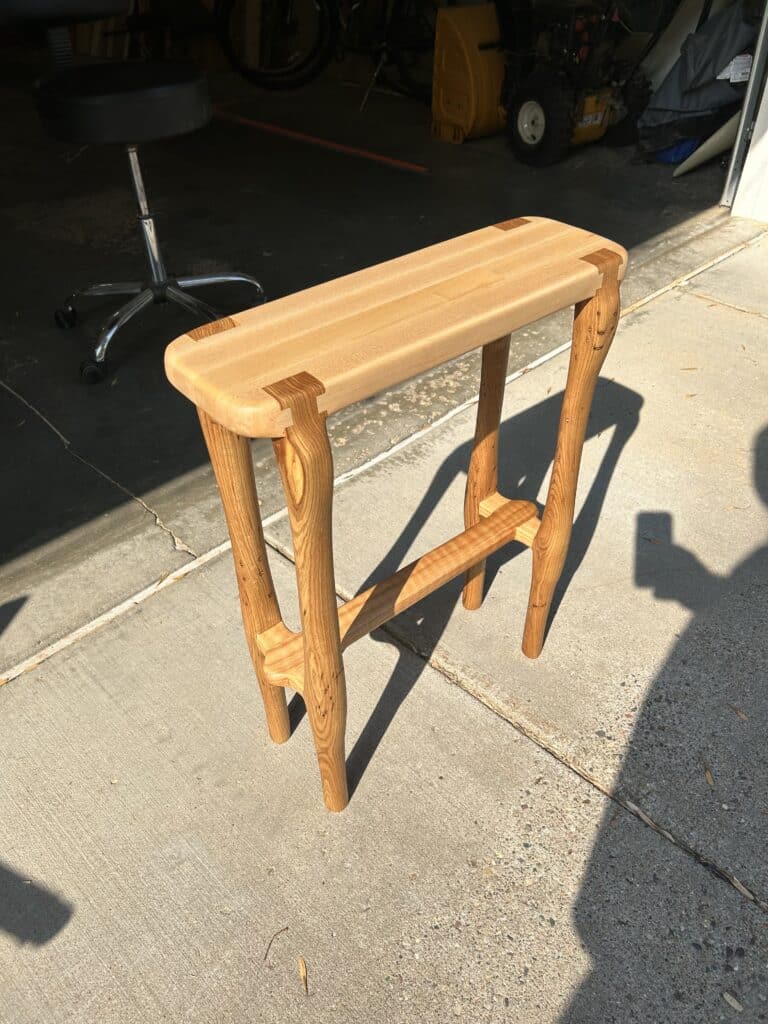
<point>411,44</point>
<point>278,44</point>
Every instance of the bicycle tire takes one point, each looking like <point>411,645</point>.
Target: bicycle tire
<point>318,54</point>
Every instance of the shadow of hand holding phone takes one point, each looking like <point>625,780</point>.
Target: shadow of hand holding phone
<point>649,916</point>
<point>28,911</point>
<point>672,572</point>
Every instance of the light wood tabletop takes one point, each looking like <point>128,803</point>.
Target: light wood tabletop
<point>375,328</point>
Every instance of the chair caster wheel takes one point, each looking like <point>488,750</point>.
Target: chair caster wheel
<point>65,317</point>
<point>92,372</point>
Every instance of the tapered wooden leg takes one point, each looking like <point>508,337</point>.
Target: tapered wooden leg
<point>306,468</point>
<point>482,474</point>
<point>231,460</point>
<point>593,328</point>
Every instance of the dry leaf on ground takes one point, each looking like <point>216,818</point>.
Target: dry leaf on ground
<point>302,964</point>
<point>733,1001</point>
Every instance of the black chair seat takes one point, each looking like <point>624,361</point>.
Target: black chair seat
<point>59,12</point>
<point>128,102</point>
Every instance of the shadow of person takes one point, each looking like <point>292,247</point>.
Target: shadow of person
<point>652,918</point>
<point>9,610</point>
<point>28,911</point>
<point>526,448</point>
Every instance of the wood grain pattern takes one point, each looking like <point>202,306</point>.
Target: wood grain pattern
<point>525,533</point>
<point>594,326</point>
<point>508,225</point>
<point>225,323</point>
<point>306,469</point>
<point>380,326</point>
<point>232,466</point>
<point>482,473</point>
<point>283,653</point>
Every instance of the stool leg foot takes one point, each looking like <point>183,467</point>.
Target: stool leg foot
<point>306,468</point>
<point>482,474</point>
<point>594,325</point>
<point>231,460</point>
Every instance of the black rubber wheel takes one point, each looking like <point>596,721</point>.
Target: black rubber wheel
<point>92,372</point>
<point>65,317</point>
<point>298,39</point>
<point>540,118</point>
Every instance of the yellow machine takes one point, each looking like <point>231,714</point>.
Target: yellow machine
<point>468,74</point>
<point>553,108</point>
<point>594,115</point>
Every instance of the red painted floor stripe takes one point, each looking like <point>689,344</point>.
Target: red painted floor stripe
<point>314,140</point>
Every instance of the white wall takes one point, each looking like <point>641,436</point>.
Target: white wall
<point>751,198</point>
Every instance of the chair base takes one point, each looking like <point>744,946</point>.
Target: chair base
<point>160,288</point>
<point>176,290</point>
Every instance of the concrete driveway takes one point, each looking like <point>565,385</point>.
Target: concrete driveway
<point>576,840</point>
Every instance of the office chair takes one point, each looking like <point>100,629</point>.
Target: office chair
<point>126,103</point>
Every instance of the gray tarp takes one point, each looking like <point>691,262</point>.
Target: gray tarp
<point>691,102</point>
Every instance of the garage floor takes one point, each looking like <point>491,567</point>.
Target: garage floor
<point>110,483</point>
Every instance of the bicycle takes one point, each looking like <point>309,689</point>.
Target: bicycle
<point>283,44</point>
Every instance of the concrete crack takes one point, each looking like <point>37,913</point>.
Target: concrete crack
<point>527,729</point>
<point>530,732</point>
<point>726,305</point>
<point>178,543</point>
<point>689,275</point>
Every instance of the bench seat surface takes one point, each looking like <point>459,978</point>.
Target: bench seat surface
<point>375,328</point>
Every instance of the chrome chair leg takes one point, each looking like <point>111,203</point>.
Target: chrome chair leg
<point>108,288</point>
<point>66,315</point>
<point>191,303</point>
<point>203,280</point>
<point>117,320</point>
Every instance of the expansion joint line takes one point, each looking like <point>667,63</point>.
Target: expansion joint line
<point>178,543</point>
<point>616,797</point>
<point>457,678</point>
